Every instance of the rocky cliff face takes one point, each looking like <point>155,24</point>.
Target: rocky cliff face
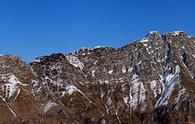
<point>150,81</point>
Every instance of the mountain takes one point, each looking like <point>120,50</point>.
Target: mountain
<point>150,81</point>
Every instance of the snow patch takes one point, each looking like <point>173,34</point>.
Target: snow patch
<point>110,72</point>
<point>142,96</point>
<point>153,87</point>
<point>144,40</point>
<point>170,82</point>
<point>139,62</point>
<point>153,32</point>
<point>70,89</point>
<point>11,86</point>
<point>126,99</point>
<point>145,44</point>
<point>130,69</point>
<point>183,47</point>
<point>134,92</point>
<point>93,73</point>
<point>48,106</point>
<point>106,82</point>
<point>37,60</point>
<point>99,47</point>
<point>124,69</point>
<point>75,61</point>
<point>175,33</point>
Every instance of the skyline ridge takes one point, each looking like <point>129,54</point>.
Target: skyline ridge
<point>96,47</point>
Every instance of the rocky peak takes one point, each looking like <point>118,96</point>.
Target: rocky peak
<point>176,33</point>
<point>153,35</point>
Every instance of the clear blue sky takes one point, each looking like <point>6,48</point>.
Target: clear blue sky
<point>30,28</point>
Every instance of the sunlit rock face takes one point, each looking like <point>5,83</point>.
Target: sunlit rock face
<point>150,81</point>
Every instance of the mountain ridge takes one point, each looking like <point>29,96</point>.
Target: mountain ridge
<point>96,47</point>
<point>149,81</point>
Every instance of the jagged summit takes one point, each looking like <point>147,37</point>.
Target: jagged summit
<point>55,56</point>
<point>153,33</point>
<point>150,81</point>
<point>174,33</point>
